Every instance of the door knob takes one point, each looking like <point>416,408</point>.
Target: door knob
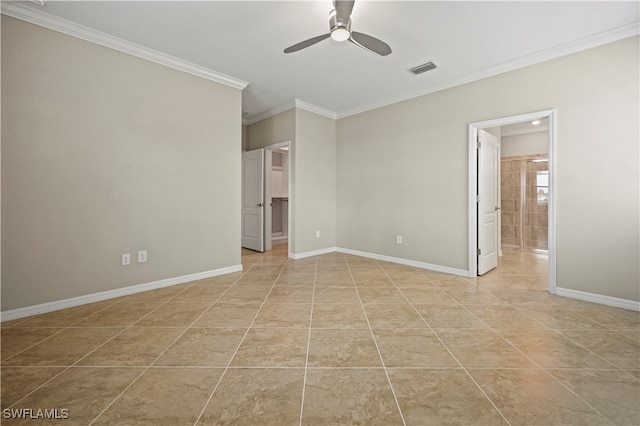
<point>497,208</point>
<point>259,205</point>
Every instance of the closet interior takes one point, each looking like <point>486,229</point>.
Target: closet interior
<point>279,197</point>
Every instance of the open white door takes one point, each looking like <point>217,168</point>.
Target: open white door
<point>488,205</point>
<point>253,199</point>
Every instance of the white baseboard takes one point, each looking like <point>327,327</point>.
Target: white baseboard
<point>302,255</point>
<point>407,262</point>
<point>111,294</point>
<point>598,298</point>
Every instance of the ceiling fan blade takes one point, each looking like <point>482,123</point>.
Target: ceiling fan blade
<point>370,43</point>
<point>306,43</point>
<point>343,10</point>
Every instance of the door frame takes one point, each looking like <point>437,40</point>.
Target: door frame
<point>267,195</point>
<point>551,115</point>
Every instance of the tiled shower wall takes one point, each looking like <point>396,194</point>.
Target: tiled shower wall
<point>528,231</point>
<point>510,194</point>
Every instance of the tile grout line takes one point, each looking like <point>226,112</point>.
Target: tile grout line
<point>578,396</point>
<point>146,368</point>
<point>554,375</point>
<point>215,388</point>
<point>306,360</point>
<point>605,327</point>
<point>63,328</point>
<point>447,347</point>
<point>375,342</point>
<point>538,366</point>
<point>67,367</point>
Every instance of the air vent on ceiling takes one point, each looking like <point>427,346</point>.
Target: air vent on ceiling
<point>423,68</point>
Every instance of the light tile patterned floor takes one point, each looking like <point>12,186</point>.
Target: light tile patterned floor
<point>333,339</point>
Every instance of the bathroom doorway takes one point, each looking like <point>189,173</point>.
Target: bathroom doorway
<point>524,186</point>
<point>543,170</point>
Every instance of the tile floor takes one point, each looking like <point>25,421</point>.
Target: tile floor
<point>334,339</point>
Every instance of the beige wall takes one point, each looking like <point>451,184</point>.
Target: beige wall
<point>402,169</point>
<point>315,182</point>
<point>278,128</point>
<point>313,173</point>
<point>245,137</point>
<point>525,144</point>
<point>102,154</point>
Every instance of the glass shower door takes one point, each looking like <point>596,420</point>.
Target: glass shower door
<point>536,205</point>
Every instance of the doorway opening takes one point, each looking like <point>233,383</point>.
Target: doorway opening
<point>277,195</point>
<point>545,192</point>
<point>266,189</point>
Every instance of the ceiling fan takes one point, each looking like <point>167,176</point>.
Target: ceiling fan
<point>340,30</point>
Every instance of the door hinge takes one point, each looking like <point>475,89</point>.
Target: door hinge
<point>479,252</point>
<point>477,198</point>
<point>478,145</point>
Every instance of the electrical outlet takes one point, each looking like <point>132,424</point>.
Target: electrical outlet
<point>142,256</point>
<point>126,259</point>
<point>318,233</point>
<point>398,239</point>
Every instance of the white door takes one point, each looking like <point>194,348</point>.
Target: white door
<point>488,202</point>
<point>253,200</point>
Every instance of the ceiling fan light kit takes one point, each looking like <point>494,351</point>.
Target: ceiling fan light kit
<point>340,34</point>
<point>340,30</point>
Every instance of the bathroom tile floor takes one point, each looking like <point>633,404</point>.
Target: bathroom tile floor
<point>332,339</point>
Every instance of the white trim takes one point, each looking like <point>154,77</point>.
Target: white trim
<point>472,214</point>
<point>586,43</point>
<point>553,200</point>
<point>315,109</point>
<point>553,188</point>
<point>407,262</point>
<point>271,112</point>
<point>73,29</point>
<point>55,23</point>
<point>382,257</point>
<point>598,298</point>
<point>297,103</point>
<point>110,294</point>
<point>296,256</point>
<point>267,200</point>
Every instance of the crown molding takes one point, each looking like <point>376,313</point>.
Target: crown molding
<point>296,103</point>
<point>43,19</point>
<point>315,109</point>
<point>586,43</point>
<point>271,112</point>
<point>52,22</point>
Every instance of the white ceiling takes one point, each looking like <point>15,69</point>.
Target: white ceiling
<point>525,127</point>
<point>245,40</point>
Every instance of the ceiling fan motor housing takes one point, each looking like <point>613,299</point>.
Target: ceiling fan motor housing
<point>340,31</point>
